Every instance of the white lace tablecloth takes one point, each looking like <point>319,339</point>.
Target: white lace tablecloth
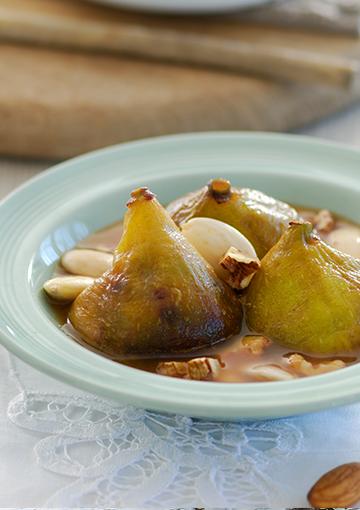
<point>63,448</point>
<point>66,448</point>
<point>60,447</point>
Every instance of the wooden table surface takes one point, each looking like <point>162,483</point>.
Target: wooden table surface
<point>343,127</point>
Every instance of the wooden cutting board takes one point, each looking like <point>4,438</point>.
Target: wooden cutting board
<point>210,42</point>
<point>56,103</point>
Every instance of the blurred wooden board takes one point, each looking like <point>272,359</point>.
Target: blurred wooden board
<point>55,104</point>
<point>220,43</point>
<point>22,19</point>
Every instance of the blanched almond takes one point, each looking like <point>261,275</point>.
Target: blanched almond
<point>65,289</point>
<point>270,373</point>
<point>87,262</point>
<point>346,239</point>
<point>212,238</point>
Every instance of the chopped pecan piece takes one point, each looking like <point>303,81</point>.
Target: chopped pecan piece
<point>324,222</point>
<point>196,369</point>
<point>241,268</point>
<point>304,367</point>
<point>256,344</point>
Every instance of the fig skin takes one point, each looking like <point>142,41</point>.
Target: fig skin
<point>258,217</point>
<point>306,295</point>
<point>160,296</point>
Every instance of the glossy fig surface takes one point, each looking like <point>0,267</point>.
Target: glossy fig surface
<point>160,296</point>
<point>260,218</point>
<point>306,295</point>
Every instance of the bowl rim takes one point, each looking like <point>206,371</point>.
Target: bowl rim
<point>202,399</point>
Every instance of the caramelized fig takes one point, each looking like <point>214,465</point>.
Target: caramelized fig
<point>260,218</point>
<point>306,295</point>
<point>160,296</point>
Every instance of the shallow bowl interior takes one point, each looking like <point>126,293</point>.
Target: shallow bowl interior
<point>53,212</point>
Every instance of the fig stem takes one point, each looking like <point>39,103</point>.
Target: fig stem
<point>306,230</point>
<point>220,189</point>
<point>140,194</point>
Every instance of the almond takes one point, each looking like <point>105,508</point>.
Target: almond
<point>269,373</point>
<point>339,488</point>
<point>65,289</point>
<point>212,238</point>
<point>86,262</point>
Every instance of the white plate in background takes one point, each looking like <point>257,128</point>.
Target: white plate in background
<point>183,6</point>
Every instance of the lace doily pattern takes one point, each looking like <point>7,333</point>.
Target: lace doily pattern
<point>120,456</point>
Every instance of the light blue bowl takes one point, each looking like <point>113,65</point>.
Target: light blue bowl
<point>52,212</point>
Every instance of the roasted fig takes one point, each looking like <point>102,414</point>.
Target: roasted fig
<point>260,218</point>
<point>160,296</point>
<point>306,295</point>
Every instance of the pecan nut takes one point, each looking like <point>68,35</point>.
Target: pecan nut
<point>240,268</point>
<point>197,369</point>
<point>306,368</point>
<point>324,221</point>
